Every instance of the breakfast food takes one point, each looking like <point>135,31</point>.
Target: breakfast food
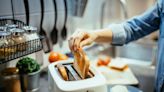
<point>81,63</point>
<point>118,65</point>
<point>62,72</point>
<point>103,61</point>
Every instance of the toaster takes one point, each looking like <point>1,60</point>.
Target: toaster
<point>93,83</point>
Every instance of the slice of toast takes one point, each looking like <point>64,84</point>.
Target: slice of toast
<point>118,65</point>
<point>62,71</point>
<point>81,63</point>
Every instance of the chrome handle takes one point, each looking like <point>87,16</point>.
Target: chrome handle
<point>102,14</point>
<point>124,7</point>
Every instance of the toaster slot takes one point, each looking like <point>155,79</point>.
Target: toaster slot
<point>62,71</point>
<point>90,74</point>
<point>70,72</point>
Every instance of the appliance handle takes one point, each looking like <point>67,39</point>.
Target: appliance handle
<point>124,7</point>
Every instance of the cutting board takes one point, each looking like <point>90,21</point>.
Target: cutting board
<point>113,77</point>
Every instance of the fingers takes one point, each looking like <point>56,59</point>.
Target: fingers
<point>71,41</point>
<point>86,42</point>
<point>75,40</point>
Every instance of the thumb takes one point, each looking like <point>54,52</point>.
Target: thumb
<point>85,42</point>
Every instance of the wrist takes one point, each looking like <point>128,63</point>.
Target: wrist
<point>103,35</point>
<point>96,34</point>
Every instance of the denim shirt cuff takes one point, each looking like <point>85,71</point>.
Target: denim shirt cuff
<point>119,34</point>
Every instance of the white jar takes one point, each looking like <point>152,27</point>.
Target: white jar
<point>6,44</point>
<point>31,33</point>
<point>19,39</point>
<point>32,36</point>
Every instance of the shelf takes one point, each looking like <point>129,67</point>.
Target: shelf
<point>9,53</point>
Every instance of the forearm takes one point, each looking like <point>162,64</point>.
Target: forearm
<point>119,34</point>
<point>114,34</point>
<point>104,35</point>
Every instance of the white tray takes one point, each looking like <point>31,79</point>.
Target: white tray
<point>115,77</point>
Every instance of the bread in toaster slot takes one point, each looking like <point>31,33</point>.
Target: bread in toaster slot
<point>81,63</point>
<point>69,73</point>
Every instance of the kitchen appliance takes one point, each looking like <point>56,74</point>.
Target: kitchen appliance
<point>94,83</point>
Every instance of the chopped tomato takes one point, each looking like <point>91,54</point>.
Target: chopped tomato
<point>103,61</point>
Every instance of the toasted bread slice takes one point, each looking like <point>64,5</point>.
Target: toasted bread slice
<point>81,63</point>
<point>118,65</point>
<point>62,71</point>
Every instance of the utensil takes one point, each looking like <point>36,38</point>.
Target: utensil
<point>83,7</point>
<point>54,32</point>
<point>26,4</point>
<point>102,14</point>
<point>64,30</point>
<point>42,32</point>
<point>76,7</point>
<point>80,6</point>
<point>12,9</point>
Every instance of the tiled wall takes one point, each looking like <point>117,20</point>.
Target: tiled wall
<point>35,12</point>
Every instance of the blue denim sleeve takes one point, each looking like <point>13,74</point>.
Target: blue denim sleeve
<point>143,25</point>
<point>137,27</point>
<point>119,34</point>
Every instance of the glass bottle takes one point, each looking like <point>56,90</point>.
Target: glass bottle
<point>10,80</point>
<point>19,39</point>
<point>32,36</point>
<point>6,43</point>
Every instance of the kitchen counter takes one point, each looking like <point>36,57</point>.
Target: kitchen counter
<point>145,76</point>
<point>44,82</point>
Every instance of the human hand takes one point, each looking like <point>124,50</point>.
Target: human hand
<point>81,38</point>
